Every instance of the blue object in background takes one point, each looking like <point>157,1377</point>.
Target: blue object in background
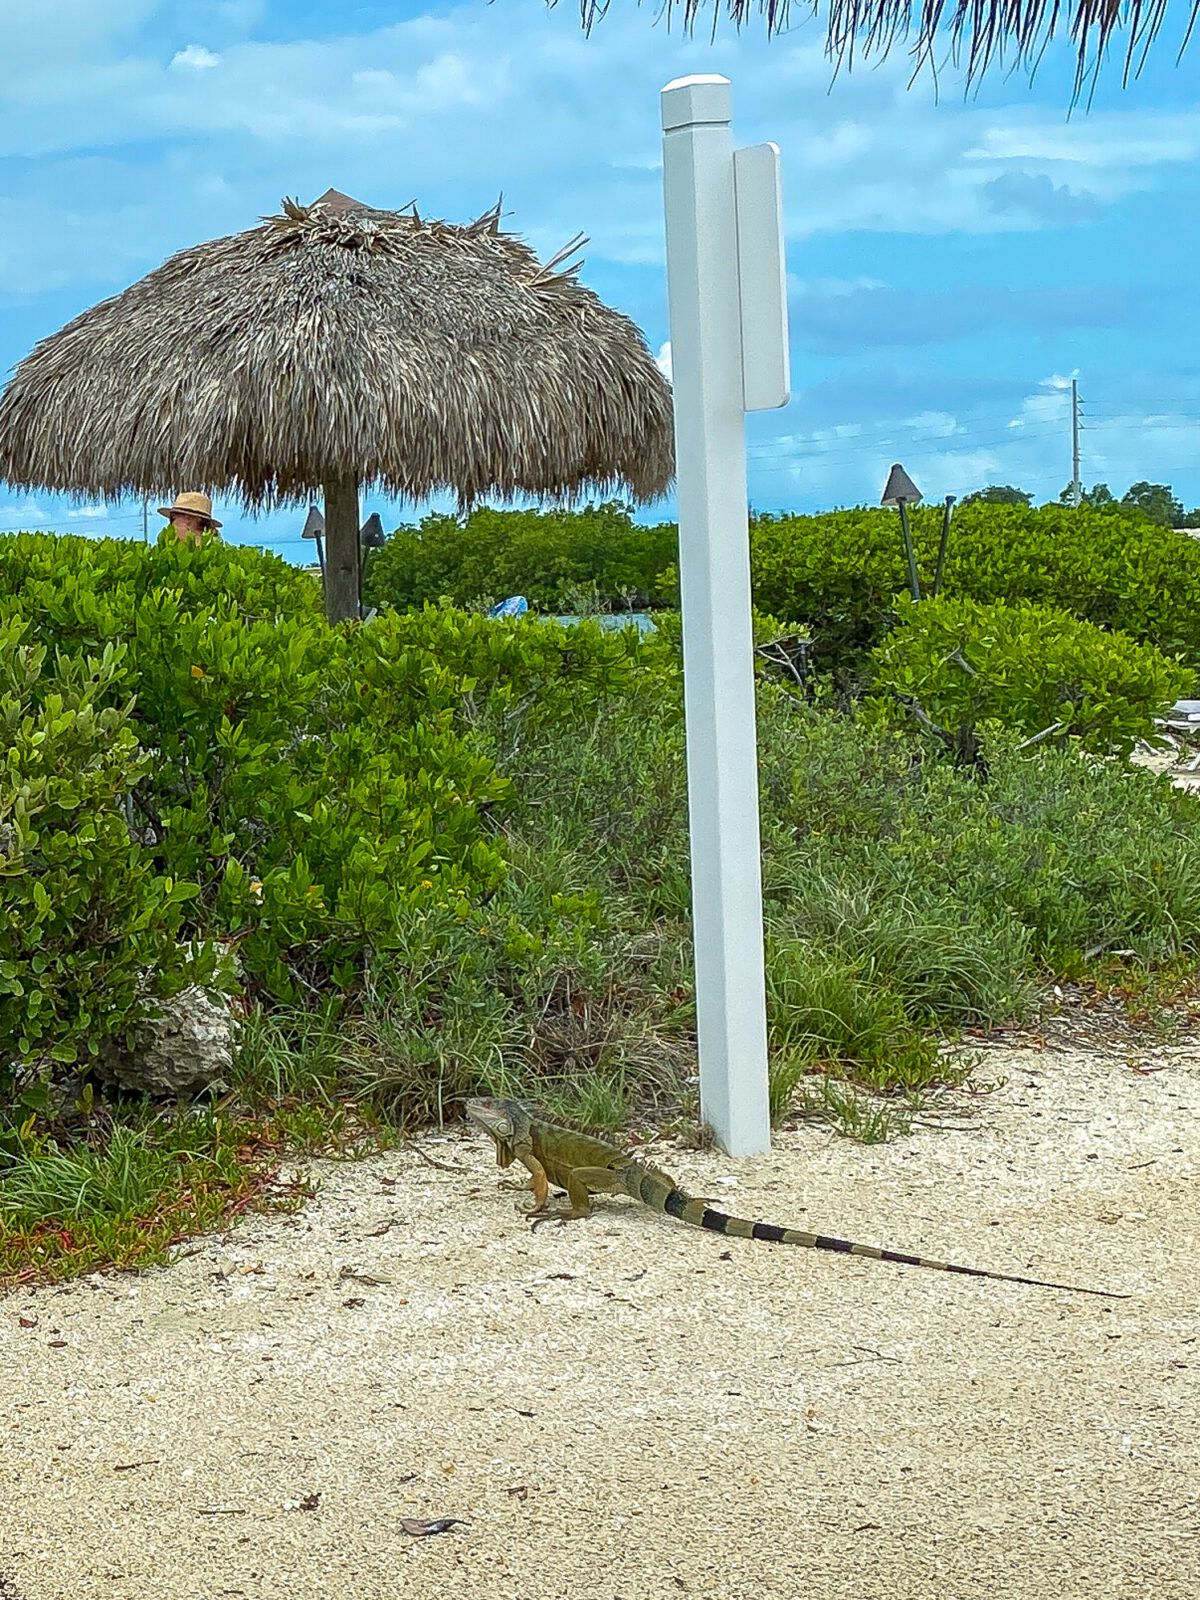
<point>641,620</point>
<point>515,606</point>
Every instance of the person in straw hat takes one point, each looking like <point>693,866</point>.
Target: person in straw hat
<point>190,518</point>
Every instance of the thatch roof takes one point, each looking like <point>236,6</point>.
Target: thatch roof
<point>976,34</point>
<point>335,342</point>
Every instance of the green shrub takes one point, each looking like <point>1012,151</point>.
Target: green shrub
<point>319,786</point>
<point>841,572</point>
<point>71,588</point>
<point>838,573</point>
<point>553,558</point>
<point>477,830</point>
<point>1056,860</point>
<point>88,928</point>
<point>319,783</point>
<point>1030,668</point>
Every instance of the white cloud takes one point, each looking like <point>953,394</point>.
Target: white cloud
<point>87,513</point>
<point>1116,140</point>
<point>455,107</point>
<point>1050,403</point>
<point>826,288</point>
<point>1119,449</point>
<point>949,454</point>
<point>49,40</point>
<point>116,168</point>
<point>932,424</point>
<point>17,514</point>
<point>663,360</point>
<point>196,57</point>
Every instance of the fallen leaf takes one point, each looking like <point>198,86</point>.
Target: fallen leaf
<point>128,1466</point>
<point>58,1344</point>
<point>421,1527</point>
<point>306,1502</point>
<point>519,1491</point>
<point>354,1303</point>
<point>27,1322</point>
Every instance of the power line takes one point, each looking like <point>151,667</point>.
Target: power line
<point>873,441</point>
<point>949,445</point>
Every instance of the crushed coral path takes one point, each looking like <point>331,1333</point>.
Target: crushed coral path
<point>627,1408</point>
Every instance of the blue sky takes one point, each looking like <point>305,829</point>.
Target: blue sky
<point>952,259</point>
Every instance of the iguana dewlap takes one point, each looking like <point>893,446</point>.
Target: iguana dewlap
<point>563,1158</point>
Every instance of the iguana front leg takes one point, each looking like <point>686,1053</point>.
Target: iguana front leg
<point>538,1182</point>
<point>506,1154</point>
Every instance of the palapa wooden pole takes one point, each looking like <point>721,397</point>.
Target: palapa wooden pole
<point>342,598</point>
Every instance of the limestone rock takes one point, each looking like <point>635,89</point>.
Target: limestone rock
<point>182,1049</point>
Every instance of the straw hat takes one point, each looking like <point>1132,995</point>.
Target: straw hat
<point>196,505</point>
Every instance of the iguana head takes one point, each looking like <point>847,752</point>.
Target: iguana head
<point>503,1120</point>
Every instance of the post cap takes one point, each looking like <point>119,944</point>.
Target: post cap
<point>703,97</point>
<point>314,524</point>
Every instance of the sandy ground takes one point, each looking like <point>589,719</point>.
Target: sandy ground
<point>632,1408</point>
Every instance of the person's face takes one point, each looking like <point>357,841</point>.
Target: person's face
<point>187,525</point>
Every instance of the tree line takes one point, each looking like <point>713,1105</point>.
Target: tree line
<point>1155,501</point>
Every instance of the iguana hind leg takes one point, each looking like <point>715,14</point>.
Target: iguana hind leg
<point>581,1183</point>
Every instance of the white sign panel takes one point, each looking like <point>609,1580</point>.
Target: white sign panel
<point>762,277</point>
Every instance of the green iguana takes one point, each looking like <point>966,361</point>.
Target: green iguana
<point>584,1165</point>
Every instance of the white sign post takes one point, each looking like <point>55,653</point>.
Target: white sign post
<point>728,319</point>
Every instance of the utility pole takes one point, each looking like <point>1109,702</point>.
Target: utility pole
<point>145,519</point>
<point>1076,485</point>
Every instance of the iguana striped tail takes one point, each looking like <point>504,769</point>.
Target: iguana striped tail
<point>656,1190</point>
<point>584,1164</point>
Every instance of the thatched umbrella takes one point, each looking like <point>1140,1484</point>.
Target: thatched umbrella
<point>976,33</point>
<point>333,346</point>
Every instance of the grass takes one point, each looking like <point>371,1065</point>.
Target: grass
<point>905,901</point>
<point>128,1195</point>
